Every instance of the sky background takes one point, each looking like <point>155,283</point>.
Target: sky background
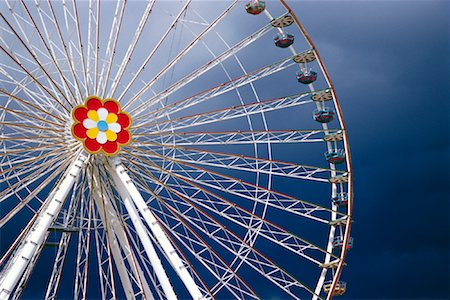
<point>389,61</point>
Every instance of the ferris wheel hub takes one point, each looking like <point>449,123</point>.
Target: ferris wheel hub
<point>101,125</point>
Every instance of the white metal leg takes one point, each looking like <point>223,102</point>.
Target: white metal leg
<point>34,239</point>
<point>156,229</point>
<point>144,238</point>
<point>117,240</point>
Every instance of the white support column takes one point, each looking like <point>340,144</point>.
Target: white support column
<point>117,241</point>
<point>156,229</point>
<point>144,238</point>
<point>34,239</point>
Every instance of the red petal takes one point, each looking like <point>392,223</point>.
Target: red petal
<point>110,147</point>
<point>92,145</point>
<point>80,113</point>
<point>124,120</point>
<point>94,103</point>
<point>112,106</point>
<point>79,131</point>
<point>123,137</point>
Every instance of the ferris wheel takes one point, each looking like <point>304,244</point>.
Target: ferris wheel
<point>169,150</point>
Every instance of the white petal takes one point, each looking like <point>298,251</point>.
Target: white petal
<point>114,127</point>
<point>88,123</point>
<point>101,137</point>
<point>102,113</point>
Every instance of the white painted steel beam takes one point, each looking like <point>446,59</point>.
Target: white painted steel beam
<point>34,239</point>
<point>120,247</point>
<point>156,229</point>
<point>144,238</point>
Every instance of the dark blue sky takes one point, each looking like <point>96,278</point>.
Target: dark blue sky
<point>389,61</point>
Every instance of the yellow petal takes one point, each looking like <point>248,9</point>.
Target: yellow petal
<point>111,118</point>
<point>92,133</point>
<point>111,135</point>
<point>93,115</point>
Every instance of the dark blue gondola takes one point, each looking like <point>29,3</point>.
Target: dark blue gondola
<point>336,156</point>
<point>339,288</point>
<point>284,40</point>
<point>338,243</point>
<point>324,115</point>
<point>306,77</point>
<point>255,7</point>
<point>341,199</point>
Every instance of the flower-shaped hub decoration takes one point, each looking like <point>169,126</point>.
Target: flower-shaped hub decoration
<point>101,125</point>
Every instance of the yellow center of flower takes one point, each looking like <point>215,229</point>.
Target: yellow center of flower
<point>104,125</point>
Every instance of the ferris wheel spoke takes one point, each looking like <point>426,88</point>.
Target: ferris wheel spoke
<point>68,57</point>
<point>93,48</point>
<point>19,125</point>
<point>231,241</point>
<point>28,161</point>
<point>244,218</point>
<point>181,54</point>
<point>222,115</point>
<point>41,102</point>
<point>205,254</point>
<point>131,48</point>
<point>24,117</point>
<point>29,139</point>
<point>15,60</point>
<point>197,246</point>
<point>85,222</point>
<point>251,256</point>
<point>34,109</point>
<point>206,67</point>
<point>111,47</point>
<point>239,137</point>
<point>31,150</point>
<point>240,188</point>
<point>161,40</point>
<point>197,278</point>
<point>54,49</point>
<point>32,173</point>
<point>20,136</point>
<point>240,162</point>
<point>105,265</point>
<point>67,227</point>
<point>36,173</point>
<point>237,187</point>
<point>234,213</point>
<point>212,92</point>
<point>33,54</point>
<point>51,53</point>
<point>24,202</point>
<point>80,48</point>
